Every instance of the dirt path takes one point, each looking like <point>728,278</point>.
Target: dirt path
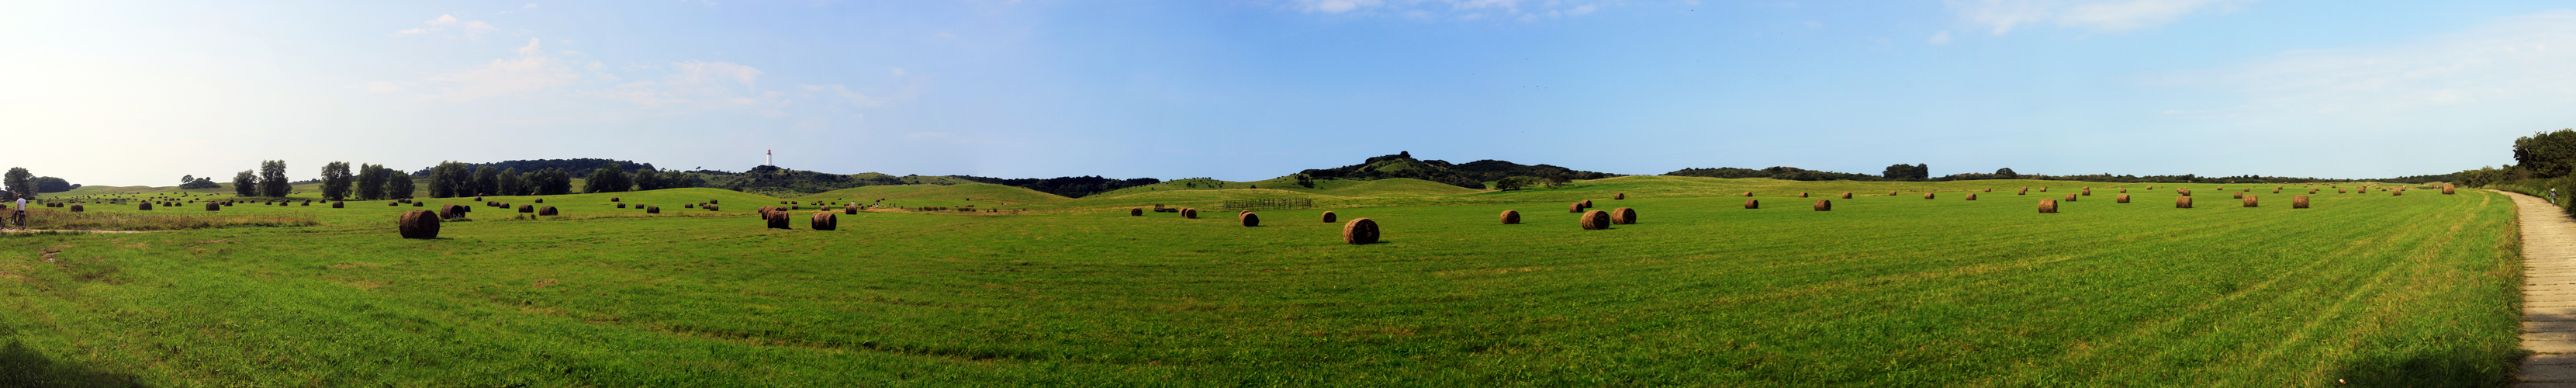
<point>2548,292</point>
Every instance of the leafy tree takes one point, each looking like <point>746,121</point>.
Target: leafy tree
<point>46,184</point>
<point>371,182</point>
<point>2548,154</point>
<point>608,178</point>
<point>448,178</point>
<point>507,182</point>
<point>335,180</point>
<point>397,185</point>
<point>2007,173</point>
<point>1908,172</point>
<point>1309,181</point>
<point>272,179</point>
<point>20,181</point>
<point>246,184</point>
<point>1511,183</point>
<point>184,179</point>
<point>647,180</point>
<point>200,183</point>
<point>486,181</point>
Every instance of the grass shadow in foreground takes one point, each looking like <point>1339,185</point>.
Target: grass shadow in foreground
<point>2431,368</point>
<point>22,367</point>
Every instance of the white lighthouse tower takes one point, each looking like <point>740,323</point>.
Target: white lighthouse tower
<point>772,158</point>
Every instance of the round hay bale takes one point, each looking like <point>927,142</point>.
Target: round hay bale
<point>2222,188</point>
<point>1576,207</point>
<point>854,209</point>
<point>2048,206</point>
<point>776,218</point>
<point>77,209</point>
<point>420,224</point>
<point>621,206</point>
<point>1248,219</point>
<point>1891,193</point>
<point>652,210</point>
<point>1824,205</point>
<point>1510,217</point>
<point>2088,191</point>
<point>211,206</point>
<point>711,207</point>
<point>2298,202</point>
<point>1596,220</point>
<point>613,199</point>
<point>478,198</point>
<point>2446,190</point>
<point>2276,190</point>
<point>1846,195</point>
<point>1587,204</point>
<point>1748,193</point>
<point>688,206</point>
<point>1990,189</point>
<point>1929,195</point>
<point>1189,213</point>
<point>2312,191</point>
<point>546,211</point>
<point>795,207</point>
<point>1329,217</point>
<point>450,212</point>
<point>1360,232</point>
<point>418,204</point>
<point>825,221</point>
<point>2250,201</point>
<point>714,202</point>
<point>393,204</point>
<point>2182,202</point>
<point>1972,196</point>
<point>1619,196</point>
<point>2024,191</point>
<point>1802,194</point>
<point>2070,198</point>
<point>143,206</point>
<point>2394,193</point>
<point>1135,212</point>
<point>1752,204</point>
<point>2124,190</point>
<point>2237,195</point>
<point>2185,192</point>
<point>2043,189</point>
<point>527,208</point>
<point>2123,198</point>
<point>1623,216</point>
<point>307,203</point>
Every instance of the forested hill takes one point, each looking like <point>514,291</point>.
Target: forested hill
<point>1470,175</point>
<point>576,167</point>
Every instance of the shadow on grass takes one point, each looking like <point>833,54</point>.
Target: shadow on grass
<point>22,367</point>
<point>2457,367</point>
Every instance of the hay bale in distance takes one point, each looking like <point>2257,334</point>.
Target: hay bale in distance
<point>1802,194</point>
<point>1929,195</point>
<point>1623,216</point>
<point>2250,201</point>
<point>2298,202</point>
<point>652,210</point>
<point>1510,217</point>
<point>1824,205</point>
<point>1748,193</point>
<point>1596,220</point>
<point>2237,195</point>
<point>825,221</point>
<point>2123,198</point>
<point>1576,207</point>
<point>1752,204</point>
<point>2047,206</point>
<point>2447,190</point>
<point>688,206</point>
<point>2394,193</point>
<point>1972,196</point>
<point>1846,195</point>
<point>211,206</point>
<point>2070,198</point>
<point>78,208</point>
<point>2182,202</point>
<point>527,208</point>
<point>2088,191</point>
<point>1135,212</point>
<point>613,199</point>
<point>1329,217</point>
<point>621,206</point>
<point>450,212</point>
<point>1248,219</point>
<point>1619,196</point>
<point>541,200</point>
<point>1189,213</point>
<point>1891,193</point>
<point>1587,204</point>
<point>546,211</point>
<point>143,206</point>
<point>2024,191</point>
<point>1360,232</point>
<point>420,224</point>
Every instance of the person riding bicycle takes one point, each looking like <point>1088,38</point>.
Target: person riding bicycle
<point>18,215</point>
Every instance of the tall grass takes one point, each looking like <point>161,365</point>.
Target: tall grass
<point>100,220</point>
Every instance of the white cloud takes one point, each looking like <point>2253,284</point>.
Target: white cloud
<point>530,5</point>
<point>2002,16</point>
<point>532,71</point>
<point>1455,9</point>
<point>2511,65</point>
<point>1941,38</point>
<point>471,28</point>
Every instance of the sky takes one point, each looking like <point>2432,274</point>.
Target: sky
<point>119,93</point>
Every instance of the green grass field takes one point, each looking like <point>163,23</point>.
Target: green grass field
<point>2373,289</point>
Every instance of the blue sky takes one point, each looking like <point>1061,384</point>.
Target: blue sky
<point>139,93</point>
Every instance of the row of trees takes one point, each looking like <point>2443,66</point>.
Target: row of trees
<point>21,182</point>
<point>455,179</point>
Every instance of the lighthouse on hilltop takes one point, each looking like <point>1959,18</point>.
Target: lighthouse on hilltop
<point>770,158</point>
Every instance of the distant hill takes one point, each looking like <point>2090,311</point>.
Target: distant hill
<point>1470,175</point>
